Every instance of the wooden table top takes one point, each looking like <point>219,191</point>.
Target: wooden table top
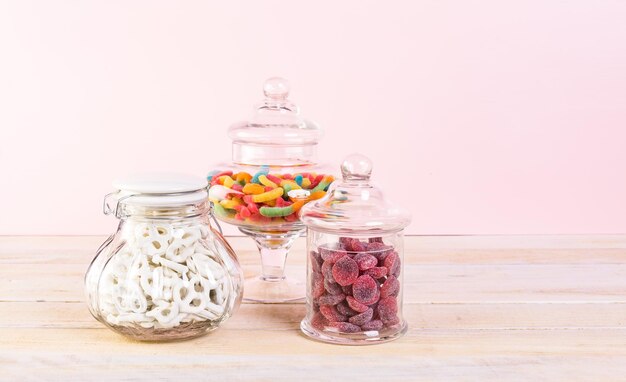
<point>478,307</point>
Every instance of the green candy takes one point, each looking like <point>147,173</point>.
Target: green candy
<point>272,212</point>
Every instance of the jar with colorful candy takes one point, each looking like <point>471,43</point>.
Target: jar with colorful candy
<point>355,261</point>
<point>165,274</point>
<point>274,172</point>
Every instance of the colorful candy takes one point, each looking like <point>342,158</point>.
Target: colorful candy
<point>361,286</point>
<point>264,197</point>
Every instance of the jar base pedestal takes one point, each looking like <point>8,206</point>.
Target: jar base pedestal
<point>285,290</point>
<point>371,338</point>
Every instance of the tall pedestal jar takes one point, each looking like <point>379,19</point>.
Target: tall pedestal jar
<point>355,262</point>
<point>273,173</point>
<point>165,274</point>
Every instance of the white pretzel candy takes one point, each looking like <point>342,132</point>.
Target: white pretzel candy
<point>163,277</point>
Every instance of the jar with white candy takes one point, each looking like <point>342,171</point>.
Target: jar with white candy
<point>165,274</point>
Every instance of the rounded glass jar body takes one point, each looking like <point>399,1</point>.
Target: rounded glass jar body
<point>165,274</point>
<point>354,288</point>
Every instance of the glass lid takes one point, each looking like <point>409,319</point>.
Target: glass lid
<point>353,205</point>
<point>276,134</point>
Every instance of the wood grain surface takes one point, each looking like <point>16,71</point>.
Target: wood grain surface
<point>480,308</point>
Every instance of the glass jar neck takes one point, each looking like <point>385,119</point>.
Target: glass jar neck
<point>255,154</point>
<point>190,211</point>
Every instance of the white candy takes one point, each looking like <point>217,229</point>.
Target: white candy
<point>164,276</point>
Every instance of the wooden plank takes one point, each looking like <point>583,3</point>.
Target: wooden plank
<point>287,316</point>
<point>76,354</point>
<point>479,308</point>
<point>422,283</point>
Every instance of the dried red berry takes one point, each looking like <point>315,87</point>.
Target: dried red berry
<point>375,240</point>
<point>327,271</point>
<point>365,290</point>
<point>388,309</point>
<point>365,261</point>
<point>357,306</point>
<point>344,309</point>
<point>332,288</point>
<point>332,299</point>
<point>345,271</point>
<point>345,327</point>
<point>376,272</point>
<point>372,325</point>
<point>362,318</point>
<point>392,262</point>
<point>390,287</point>
<point>331,314</point>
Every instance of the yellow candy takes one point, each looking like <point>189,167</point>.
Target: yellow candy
<point>266,196</point>
<point>317,195</point>
<point>253,188</point>
<point>266,182</point>
<point>293,184</point>
<point>231,203</point>
<point>306,182</point>
<point>228,181</point>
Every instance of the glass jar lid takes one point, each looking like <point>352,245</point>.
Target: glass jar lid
<point>156,190</point>
<point>276,134</point>
<point>353,205</point>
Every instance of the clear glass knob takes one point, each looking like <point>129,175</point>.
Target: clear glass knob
<point>276,88</point>
<point>356,167</point>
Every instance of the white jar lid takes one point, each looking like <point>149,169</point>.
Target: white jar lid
<point>161,189</point>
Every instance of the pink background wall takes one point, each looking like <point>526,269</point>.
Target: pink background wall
<point>480,116</point>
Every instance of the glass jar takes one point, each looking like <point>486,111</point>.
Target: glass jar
<point>165,274</point>
<point>273,173</point>
<point>354,267</point>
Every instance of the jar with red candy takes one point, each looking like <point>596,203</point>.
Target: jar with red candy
<point>355,261</point>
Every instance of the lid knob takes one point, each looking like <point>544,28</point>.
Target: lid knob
<point>356,167</point>
<point>276,88</point>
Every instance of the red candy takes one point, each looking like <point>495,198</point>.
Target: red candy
<point>345,327</point>
<point>392,262</point>
<point>372,325</point>
<point>332,254</point>
<point>345,271</point>
<point>354,304</point>
<point>345,309</point>
<point>388,309</point>
<point>319,321</point>
<point>376,272</point>
<point>332,299</point>
<point>365,290</point>
<point>331,313</point>
<point>365,261</point>
<point>332,288</point>
<point>362,318</point>
<point>354,284</point>
<point>327,271</point>
<point>318,288</point>
<point>390,287</point>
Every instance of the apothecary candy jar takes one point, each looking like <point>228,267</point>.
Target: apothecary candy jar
<point>273,173</point>
<point>165,274</point>
<point>355,261</point>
